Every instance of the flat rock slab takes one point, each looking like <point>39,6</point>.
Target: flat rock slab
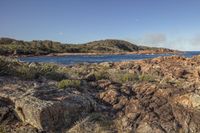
<point>46,110</point>
<point>40,114</point>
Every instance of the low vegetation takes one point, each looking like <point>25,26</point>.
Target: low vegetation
<point>12,67</point>
<point>101,74</point>
<point>94,123</point>
<point>17,47</point>
<point>66,75</point>
<point>147,77</point>
<point>69,83</point>
<point>123,76</point>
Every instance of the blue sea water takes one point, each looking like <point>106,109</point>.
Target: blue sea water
<point>75,59</point>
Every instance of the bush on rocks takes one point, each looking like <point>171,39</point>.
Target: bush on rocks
<point>69,83</point>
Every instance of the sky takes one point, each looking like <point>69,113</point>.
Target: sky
<point>162,23</point>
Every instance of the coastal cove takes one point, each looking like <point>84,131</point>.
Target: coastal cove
<point>77,59</point>
<point>99,66</point>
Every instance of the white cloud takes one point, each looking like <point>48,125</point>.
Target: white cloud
<point>162,40</point>
<point>61,33</point>
<point>154,39</point>
<point>195,40</point>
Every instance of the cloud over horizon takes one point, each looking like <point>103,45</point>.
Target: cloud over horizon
<point>163,40</point>
<point>154,39</point>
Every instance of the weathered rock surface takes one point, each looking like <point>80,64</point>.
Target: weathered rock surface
<point>163,97</point>
<point>46,109</point>
<point>170,104</point>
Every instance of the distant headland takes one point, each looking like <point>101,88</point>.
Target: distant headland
<point>13,47</point>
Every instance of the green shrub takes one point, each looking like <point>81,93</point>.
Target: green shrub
<point>123,76</point>
<point>128,77</point>
<point>55,76</point>
<point>12,67</point>
<point>4,67</point>
<point>101,74</point>
<point>69,83</point>
<point>26,72</point>
<point>47,67</point>
<point>147,77</point>
<point>51,71</point>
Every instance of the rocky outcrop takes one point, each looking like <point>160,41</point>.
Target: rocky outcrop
<point>169,104</point>
<point>160,95</point>
<point>46,109</point>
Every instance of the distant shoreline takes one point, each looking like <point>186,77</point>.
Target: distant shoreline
<point>19,48</point>
<point>106,53</point>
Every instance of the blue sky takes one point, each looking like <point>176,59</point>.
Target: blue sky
<point>164,23</point>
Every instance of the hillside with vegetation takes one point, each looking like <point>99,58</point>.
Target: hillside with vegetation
<point>36,47</point>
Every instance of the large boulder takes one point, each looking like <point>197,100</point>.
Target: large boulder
<point>45,115</point>
<point>48,109</point>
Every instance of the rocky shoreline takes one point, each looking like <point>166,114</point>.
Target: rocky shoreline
<point>159,95</point>
<point>143,52</point>
<point>118,53</point>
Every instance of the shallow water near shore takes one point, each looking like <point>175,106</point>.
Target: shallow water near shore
<point>76,59</point>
